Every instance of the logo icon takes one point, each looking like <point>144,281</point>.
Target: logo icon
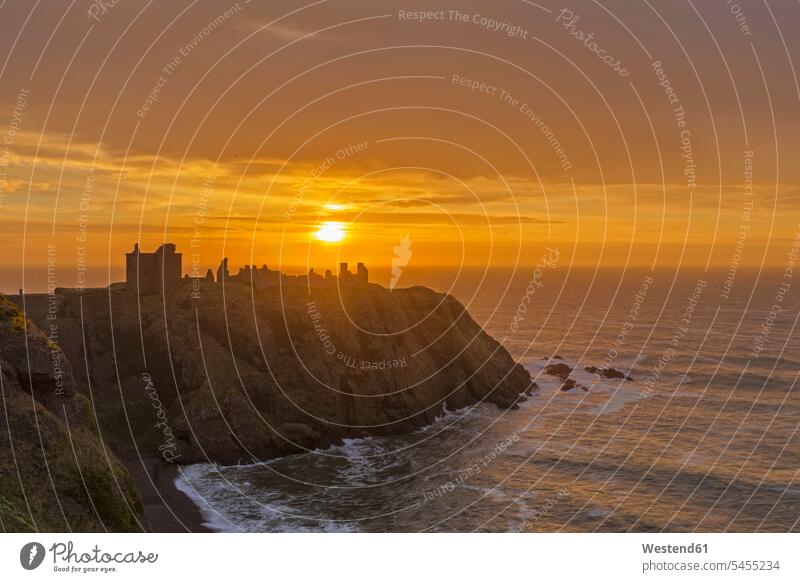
<point>31,555</point>
<point>402,257</point>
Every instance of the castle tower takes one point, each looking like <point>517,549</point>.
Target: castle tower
<point>362,274</point>
<point>152,272</point>
<point>168,266</point>
<point>222,271</point>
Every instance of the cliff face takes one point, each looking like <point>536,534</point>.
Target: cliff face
<point>241,375</point>
<point>55,474</point>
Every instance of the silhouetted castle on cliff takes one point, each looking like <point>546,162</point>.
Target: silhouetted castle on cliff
<point>150,272</point>
<point>153,271</point>
<point>266,277</point>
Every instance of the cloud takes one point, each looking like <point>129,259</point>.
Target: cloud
<point>12,186</point>
<point>279,31</point>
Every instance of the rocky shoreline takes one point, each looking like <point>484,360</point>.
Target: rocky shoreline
<point>166,508</point>
<point>234,375</point>
<point>56,472</point>
<point>237,376</point>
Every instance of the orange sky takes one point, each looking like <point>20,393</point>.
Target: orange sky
<point>263,122</point>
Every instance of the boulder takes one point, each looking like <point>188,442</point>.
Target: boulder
<point>560,370</point>
<point>570,384</point>
<point>609,373</point>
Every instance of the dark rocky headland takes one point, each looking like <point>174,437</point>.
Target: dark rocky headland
<point>231,374</point>
<point>55,472</point>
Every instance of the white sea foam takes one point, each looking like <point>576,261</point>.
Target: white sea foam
<point>185,483</point>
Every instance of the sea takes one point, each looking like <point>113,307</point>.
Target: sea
<point>702,437</point>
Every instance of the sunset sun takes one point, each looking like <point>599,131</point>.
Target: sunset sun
<point>330,232</point>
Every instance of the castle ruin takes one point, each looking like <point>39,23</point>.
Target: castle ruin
<point>152,272</point>
<point>264,277</point>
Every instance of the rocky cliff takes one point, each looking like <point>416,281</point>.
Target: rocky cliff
<point>236,374</point>
<point>55,473</point>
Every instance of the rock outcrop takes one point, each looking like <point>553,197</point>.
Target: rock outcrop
<point>563,371</point>
<point>609,373</point>
<point>55,473</point>
<point>235,374</point>
<point>570,384</point>
<point>558,370</point>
